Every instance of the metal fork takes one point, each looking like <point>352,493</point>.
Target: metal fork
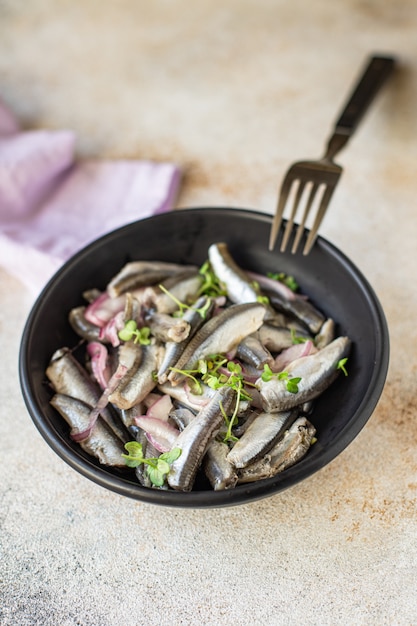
<point>315,181</point>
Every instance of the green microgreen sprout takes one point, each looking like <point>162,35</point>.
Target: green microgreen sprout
<point>262,300</point>
<point>211,286</point>
<point>131,331</point>
<point>341,365</point>
<point>297,338</point>
<point>182,307</point>
<point>291,383</point>
<point>289,281</point>
<point>211,372</point>
<point>157,467</point>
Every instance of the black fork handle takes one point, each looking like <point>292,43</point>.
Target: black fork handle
<point>376,72</point>
<point>374,76</point>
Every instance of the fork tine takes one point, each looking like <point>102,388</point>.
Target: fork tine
<point>276,224</point>
<point>301,225</point>
<point>290,222</point>
<point>319,216</point>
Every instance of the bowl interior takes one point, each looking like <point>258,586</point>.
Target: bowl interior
<point>332,282</point>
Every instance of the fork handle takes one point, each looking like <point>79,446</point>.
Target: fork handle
<point>371,80</point>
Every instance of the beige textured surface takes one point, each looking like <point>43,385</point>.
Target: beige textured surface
<point>232,92</point>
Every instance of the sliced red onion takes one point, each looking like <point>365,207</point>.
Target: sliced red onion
<point>99,362</point>
<point>103,308</point>
<point>274,285</point>
<point>110,331</point>
<point>101,404</point>
<point>163,434</point>
<point>161,408</point>
<point>292,353</point>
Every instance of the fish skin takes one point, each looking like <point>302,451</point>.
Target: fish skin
<point>81,326</point>
<point>138,273</point>
<point>219,335</point>
<point>68,377</point>
<point>317,372</point>
<point>251,350</point>
<point>292,447</point>
<point>101,443</point>
<point>184,287</point>
<point>277,338</point>
<point>220,472</point>
<point>260,437</point>
<point>195,438</point>
<point>139,382</point>
<point>238,285</point>
<point>173,350</point>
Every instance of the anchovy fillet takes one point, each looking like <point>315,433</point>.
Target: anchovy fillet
<point>317,372</point>
<point>238,285</point>
<point>260,437</point>
<point>219,471</point>
<point>195,437</point>
<point>293,446</point>
<point>101,442</point>
<point>220,334</point>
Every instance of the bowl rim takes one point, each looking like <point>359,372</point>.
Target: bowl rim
<point>242,493</point>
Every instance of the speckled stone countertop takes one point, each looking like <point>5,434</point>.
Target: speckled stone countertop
<point>232,92</point>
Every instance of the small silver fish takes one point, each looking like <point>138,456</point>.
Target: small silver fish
<point>219,335</point>
<point>326,334</point>
<point>173,350</point>
<point>260,437</point>
<point>252,351</point>
<point>316,371</point>
<point>276,339</point>
<point>68,377</point>
<point>239,287</point>
<point>81,326</point>
<point>293,446</point>
<point>167,328</point>
<point>219,471</point>
<point>101,443</point>
<point>195,437</point>
<point>183,287</point>
<point>138,273</point>
<point>137,383</point>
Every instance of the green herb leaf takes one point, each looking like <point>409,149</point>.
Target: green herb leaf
<point>341,366</point>
<point>135,454</point>
<point>289,281</point>
<point>292,384</point>
<point>131,331</point>
<point>211,286</point>
<point>297,338</point>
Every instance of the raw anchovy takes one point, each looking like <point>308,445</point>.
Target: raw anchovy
<point>251,351</point>
<point>184,287</point>
<point>316,371</point>
<point>285,300</point>
<point>239,287</point>
<point>139,382</point>
<point>325,335</point>
<point>289,450</point>
<point>195,437</point>
<point>167,328</point>
<point>81,326</point>
<point>260,437</point>
<point>138,273</point>
<point>276,338</point>
<point>182,416</point>
<point>101,443</point>
<point>220,334</point>
<point>173,350</point>
<point>68,377</point>
<point>219,471</point>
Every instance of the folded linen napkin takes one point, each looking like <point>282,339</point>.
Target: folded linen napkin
<point>52,204</point>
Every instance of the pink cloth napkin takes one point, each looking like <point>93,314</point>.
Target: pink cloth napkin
<point>52,204</point>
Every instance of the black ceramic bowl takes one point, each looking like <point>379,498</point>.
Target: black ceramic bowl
<point>333,283</point>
